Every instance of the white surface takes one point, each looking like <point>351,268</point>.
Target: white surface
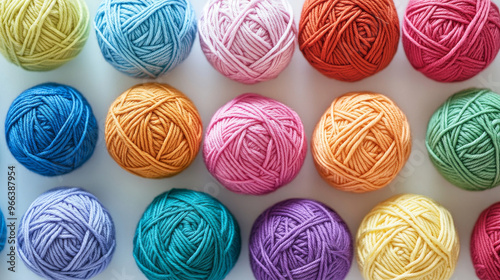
<point>300,87</point>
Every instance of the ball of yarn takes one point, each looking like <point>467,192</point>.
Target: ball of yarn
<point>300,239</point>
<point>349,40</point>
<point>248,41</point>
<point>484,244</point>
<point>186,235</point>
<point>407,237</point>
<point>361,142</point>
<point>145,38</point>
<point>449,40</point>
<point>51,129</point>
<point>42,35</point>
<point>254,145</point>
<point>153,130</point>
<point>463,139</point>
<point>66,233</point>
<point>3,232</point>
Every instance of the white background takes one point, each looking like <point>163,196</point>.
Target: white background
<point>300,87</point>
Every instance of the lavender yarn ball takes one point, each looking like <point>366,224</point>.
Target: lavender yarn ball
<point>300,239</point>
<point>66,234</point>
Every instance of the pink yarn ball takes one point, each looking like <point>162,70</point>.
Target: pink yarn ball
<point>254,145</point>
<point>249,41</point>
<point>450,40</point>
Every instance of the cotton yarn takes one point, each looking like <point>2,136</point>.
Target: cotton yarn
<point>145,38</point>
<point>484,244</point>
<point>254,145</point>
<point>51,129</point>
<point>349,40</point>
<point>3,231</point>
<point>463,139</point>
<point>408,237</point>
<point>450,41</point>
<point>361,142</point>
<point>66,234</point>
<point>186,235</point>
<point>42,35</point>
<point>153,130</point>
<point>300,239</point>
<point>249,41</point>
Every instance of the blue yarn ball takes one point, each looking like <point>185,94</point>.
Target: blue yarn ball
<point>186,235</point>
<point>3,231</point>
<point>50,129</point>
<point>66,234</point>
<point>145,38</point>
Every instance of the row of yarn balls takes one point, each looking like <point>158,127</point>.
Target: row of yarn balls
<point>67,234</point>
<point>253,41</point>
<point>255,144</point>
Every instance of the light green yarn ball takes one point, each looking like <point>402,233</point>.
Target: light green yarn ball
<point>463,139</point>
<point>44,34</point>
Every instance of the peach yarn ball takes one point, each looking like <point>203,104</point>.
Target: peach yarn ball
<point>361,142</point>
<point>153,130</point>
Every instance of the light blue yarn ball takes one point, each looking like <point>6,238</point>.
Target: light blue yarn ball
<point>186,235</point>
<point>66,234</point>
<point>145,38</point>
<point>3,231</point>
<point>51,129</point>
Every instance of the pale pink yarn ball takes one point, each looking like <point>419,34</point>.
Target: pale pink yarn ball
<point>248,41</point>
<point>254,145</point>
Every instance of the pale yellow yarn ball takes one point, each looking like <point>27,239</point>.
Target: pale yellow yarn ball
<point>407,237</point>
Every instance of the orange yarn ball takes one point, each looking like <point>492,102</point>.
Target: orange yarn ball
<point>153,130</point>
<point>361,142</point>
<point>349,40</point>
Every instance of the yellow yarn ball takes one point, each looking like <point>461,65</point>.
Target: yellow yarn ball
<point>407,237</point>
<point>42,35</point>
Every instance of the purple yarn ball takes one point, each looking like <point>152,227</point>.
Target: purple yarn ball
<point>300,239</point>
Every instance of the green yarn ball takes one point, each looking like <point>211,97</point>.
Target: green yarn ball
<point>186,235</point>
<point>463,139</point>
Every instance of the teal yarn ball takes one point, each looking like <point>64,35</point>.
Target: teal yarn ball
<point>145,38</point>
<point>463,139</point>
<point>186,235</point>
<point>3,231</point>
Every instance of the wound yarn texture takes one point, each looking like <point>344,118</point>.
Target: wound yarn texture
<point>186,235</point>
<point>153,130</point>
<point>361,142</point>
<point>463,139</point>
<point>51,129</point>
<point>42,35</point>
<point>407,237</point>
<point>254,145</point>
<point>300,239</point>
<point>484,241</point>
<point>3,231</point>
<point>249,41</point>
<point>66,234</point>
<point>145,38</point>
<point>450,41</point>
<point>349,40</point>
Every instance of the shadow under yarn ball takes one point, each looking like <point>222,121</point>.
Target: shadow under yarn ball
<point>42,35</point>
<point>450,41</point>
<point>51,129</point>
<point>153,130</point>
<point>248,41</point>
<point>408,237</point>
<point>349,40</point>
<point>254,145</point>
<point>300,239</point>
<point>361,142</point>
<point>484,244</point>
<point>463,139</point>
<point>145,38</point>
<point>66,234</point>
<point>186,235</point>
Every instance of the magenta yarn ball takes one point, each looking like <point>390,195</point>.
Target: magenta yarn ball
<point>248,41</point>
<point>450,41</point>
<point>254,145</point>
